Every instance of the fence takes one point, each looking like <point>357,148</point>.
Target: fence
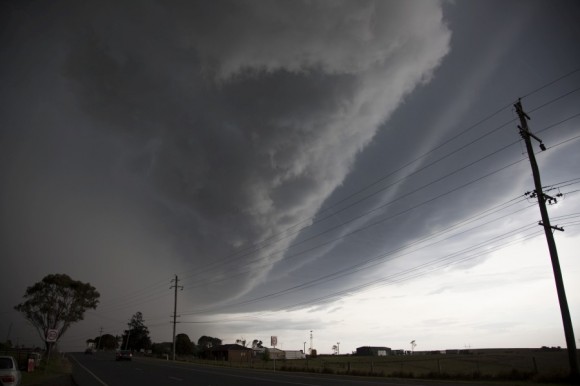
<point>522,364</point>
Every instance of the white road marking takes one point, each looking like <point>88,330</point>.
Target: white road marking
<point>88,371</point>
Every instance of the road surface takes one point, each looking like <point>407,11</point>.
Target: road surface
<point>101,369</point>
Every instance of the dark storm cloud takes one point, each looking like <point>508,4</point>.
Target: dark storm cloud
<point>217,140</point>
<point>237,133</point>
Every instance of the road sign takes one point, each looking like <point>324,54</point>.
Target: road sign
<point>51,335</point>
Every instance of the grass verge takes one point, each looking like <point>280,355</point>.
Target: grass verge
<point>57,367</point>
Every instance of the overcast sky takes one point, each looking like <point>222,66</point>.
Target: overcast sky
<point>351,168</point>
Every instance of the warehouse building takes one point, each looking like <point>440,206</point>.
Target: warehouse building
<point>373,351</point>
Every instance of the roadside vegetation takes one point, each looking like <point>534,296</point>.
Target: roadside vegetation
<point>57,367</point>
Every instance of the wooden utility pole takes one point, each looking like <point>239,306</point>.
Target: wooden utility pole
<point>100,335</point>
<point>548,229</point>
<point>176,286</point>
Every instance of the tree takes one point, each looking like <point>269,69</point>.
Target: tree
<point>266,355</point>
<point>56,302</point>
<point>137,336</point>
<point>7,345</point>
<point>207,341</point>
<point>241,341</point>
<point>257,344</point>
<point>163,348</point>
<point>183,345</point>
<point>106,342</point>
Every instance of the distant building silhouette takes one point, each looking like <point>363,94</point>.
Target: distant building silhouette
<point>373,351</point>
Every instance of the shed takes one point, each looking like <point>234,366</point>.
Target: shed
<point>230,352</point>
<point>373,351</point>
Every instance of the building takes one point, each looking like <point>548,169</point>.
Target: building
<point>273,353</point>
<point>229,352</point>
<point>373,351</point>
<point>294,354</point>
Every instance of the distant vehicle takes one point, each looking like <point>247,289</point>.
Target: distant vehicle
<point>9,373</point>
<point>123,355</point>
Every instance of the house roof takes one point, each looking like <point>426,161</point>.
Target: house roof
<point>230,347</point>
<point>374,348</point>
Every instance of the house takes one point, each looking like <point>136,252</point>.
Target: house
<point>273,353</point>
<point>373,351</point>
<point>276,353</point>
<point>294,354</point>
<point>229,352</point>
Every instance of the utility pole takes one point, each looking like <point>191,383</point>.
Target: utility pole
<point>548,229</point>
<point>9,330</point>
<point>176,286</point>
<point>128,336</point>
<point>100,335</point>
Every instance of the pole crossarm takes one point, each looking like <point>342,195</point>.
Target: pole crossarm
<point>554,227</point>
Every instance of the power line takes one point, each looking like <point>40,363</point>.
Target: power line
<point>379,259</point>
<point>146,297</point>
<point>259,245</point>
<point>148,300</point>
<point>406,194</point>
<point>246,253</point>
<point>414,272</point>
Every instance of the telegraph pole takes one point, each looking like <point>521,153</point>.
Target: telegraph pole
<point>176,286</point>
<point>100,335</point>
<point>548,229</point>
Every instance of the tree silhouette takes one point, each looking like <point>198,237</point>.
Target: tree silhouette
<point>137,336</point>
<point>183,345</point>
<point>56,302</point>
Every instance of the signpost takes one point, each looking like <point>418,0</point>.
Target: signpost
<point>51,337</point>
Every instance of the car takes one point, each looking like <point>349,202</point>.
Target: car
<point>9,373</point>
<point>123,355</point>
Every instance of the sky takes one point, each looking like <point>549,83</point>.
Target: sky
<point>349,171</point>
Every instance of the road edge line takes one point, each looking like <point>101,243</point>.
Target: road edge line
<point>89,371</point>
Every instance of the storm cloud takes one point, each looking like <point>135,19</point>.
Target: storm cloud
<point>236,133</point>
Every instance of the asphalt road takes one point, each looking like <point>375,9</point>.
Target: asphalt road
<point>101,369</point>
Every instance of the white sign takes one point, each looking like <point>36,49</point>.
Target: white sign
<point>273,341</point>
<point>51,335</point>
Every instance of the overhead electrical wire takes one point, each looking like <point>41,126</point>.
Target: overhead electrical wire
<point>145,295</point>
<point>285,291</point>
<point>551,126</point>
<point>259,245</point>
<point>397,277</point>
<point>246,253</point>
<point>393,201</point>
<point>289,290</point>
